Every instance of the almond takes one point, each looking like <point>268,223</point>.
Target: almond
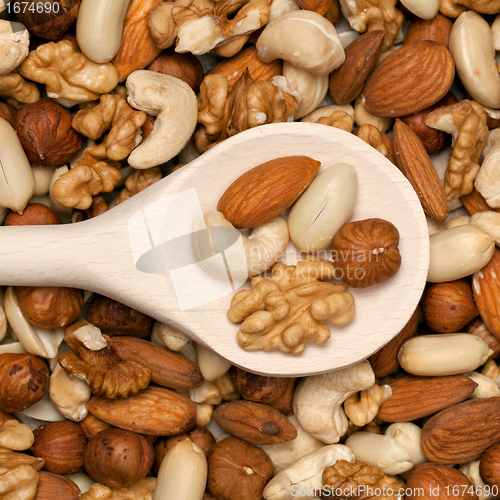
<point>475,203</point>
<point>361,56</point>
<point>56,486</point>
<point>319,6</point>
<point>409,80</point>
<point>414,162</point>
<point>255,422</point>
<point>463,432</point>
<point>417,397</point>
<point>437,29</point>
<point>168,369</point>
<point>266,190</point>
<point>156,411</point>
<point>489,467</point>
<point>486,289</point>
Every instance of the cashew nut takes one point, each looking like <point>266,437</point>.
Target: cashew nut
<point>317,401</point>
<point>443,354</point>
<point>408,434</point>
<point>212,366</point>
<point>303,38</point>
<point>488,179</point>
<point>280,7</point>
<point>204,414</point>
<point>380,451</point>
<point>14,45</point>
<point>425,9</point>
<point>43,176</point>
<point>489,222</point>
<point>61,210</point>
<point>175,106</point>
<point>17,183</point>
<point>458,252</point>
<point>471,44</point>
<point>3,324</point>
<point>471,470</point>
<point>208,393</point>
<point>486,388</point>
<point>461,220</point>
<point>246,257</point>
<point>306,473</point>
<point>99,28</point>
<point>167,336</point>
<point>182,474</point>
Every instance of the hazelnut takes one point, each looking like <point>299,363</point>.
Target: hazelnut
<point>450,306</point>
<point>35,214</point>
<point>44,129</point>
<point>53,486</point>
<point>284,404</point>
<point>257,388</point>
<point>7,112</point>
<point>24,380</point>
<point>116,319</point>
<point>118,458</point>
<point>186,67</point>
<point>47,19</point>
<point>365,253</point>
<point>489,467</point>
<point>49,307</point>
<point>61,445</point>
<point>237,469</point>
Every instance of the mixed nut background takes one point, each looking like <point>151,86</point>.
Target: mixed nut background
<point>92,115</point>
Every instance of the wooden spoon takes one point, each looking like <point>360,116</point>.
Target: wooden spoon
<point>102,254</point>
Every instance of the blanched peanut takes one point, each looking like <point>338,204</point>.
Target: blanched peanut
<point>211,365</point>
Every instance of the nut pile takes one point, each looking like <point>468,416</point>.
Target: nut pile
<point>96,96</point>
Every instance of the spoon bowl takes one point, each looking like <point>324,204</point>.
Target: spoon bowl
<point>106,254</point>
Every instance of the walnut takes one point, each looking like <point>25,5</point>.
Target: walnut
<point>361,408</point>
<point>19,483</point>
<point>93,173</point>
<point>453,8</point>
<point>371,15</point>
<point>116,381</point>
<point>225,113</point>
<point>376,139</point>
<point>15,436</point>
<point>338,119</point>
<point>466,121</point>
<point>68,73</point>
<point>286,311</point>
<point>141,490</point>
<point>347,477</point>
<point>201,25</point>
<point>15,86</point>
<point>138,181</point>
<point>113,114</point>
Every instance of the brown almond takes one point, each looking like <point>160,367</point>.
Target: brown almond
<point>284,404</point>
<point>156,411</point>
<point>267,190</point>
<point>361,56</point>
<point>255,422</point>
<point>463,432</point>
<point>414,162</point>
<point>416,397</point>
<point>475,203</point>
<point>437,29</point>
<point>319,6</point>
<point>53,486</point>
<point>168,369</point>
<point>409,80</point>
<point>257,388</point>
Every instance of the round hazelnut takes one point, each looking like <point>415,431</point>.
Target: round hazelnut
<point>7,112</point>
<point>489,467</point>
<point>50,307</point>
<point>118,458</point>
<point>35,214</point>
<point>116,319</point>
<point>44,129</point>
<point>47,19</point>
<point>365,253</point>
<point>61,444</point>
<point>24,380</point>
<point>51,483</point>
<point>256,387</point>
<point>186,67</point>
<point>237,469</point>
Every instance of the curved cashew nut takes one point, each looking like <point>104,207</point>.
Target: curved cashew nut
<point>471,470</point>
<point>167,336</point>
<point>14,45</point>
<point>384,452</point>
<point>175,106</point>
<point>317,401</point>
<point>488,179</point>
<point>408,434</point>
<point>488,221</point>
<point>99,28</point>
<point>246,257</point>
<point>471,44</point>
<point>305,473</point>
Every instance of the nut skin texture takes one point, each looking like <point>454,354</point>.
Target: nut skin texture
<point>366,252</point>
<point>114,318</point>
<point>35,214</point>
<point>55,486</point>
<point>237,469</point>
<point>118,458</point>
<point>449,306</point>
<point>489,467</point>
<point>24,380</point>
<point>257,388</point>
<point>7,112</point>
<point>53,22</point>
<point>183,66</point>
<point>61,444</point>
<point>265,191</point>
<point>44,129</point>
<point>319,6</point>
<point>433,478</point>
<point>92,425</point>
<point>478,328</point>
<point>437,29</point>
<point>50,307</point>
